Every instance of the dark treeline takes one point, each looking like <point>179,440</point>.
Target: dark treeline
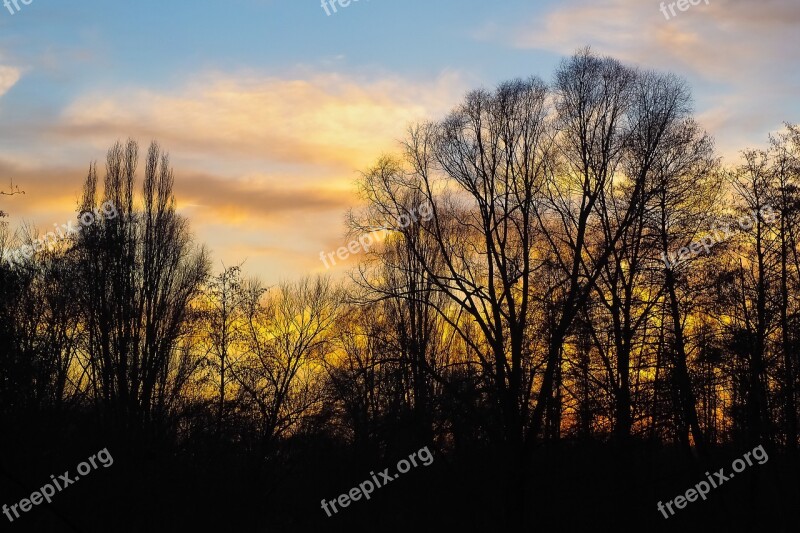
<point>594,313</point>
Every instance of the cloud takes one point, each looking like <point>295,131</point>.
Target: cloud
<point>9,76</point>
<point>260,198</point>
<point>52,189</point>
<point>321,119</point>
<point>736,53</point>
<point>706,39</point>
<point>276,225</point>
<point>264,166</point>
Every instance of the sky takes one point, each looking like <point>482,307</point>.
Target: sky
<point>271,108</point>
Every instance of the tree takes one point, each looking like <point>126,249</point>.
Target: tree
<point>222,312</point>
<point>286,339</point>
<point>140,272</point>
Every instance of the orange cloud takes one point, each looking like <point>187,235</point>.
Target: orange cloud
<point>264,166</point>
<point>9,76</point>
<point>323,119</point>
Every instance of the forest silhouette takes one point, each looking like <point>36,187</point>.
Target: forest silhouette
<point>528,333</point>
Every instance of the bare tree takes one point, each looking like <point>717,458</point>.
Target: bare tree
<point>222,312</point>
<point>140,273</point>
<point>287,339</point>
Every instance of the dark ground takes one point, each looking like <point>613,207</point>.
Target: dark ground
<point>572,488</point>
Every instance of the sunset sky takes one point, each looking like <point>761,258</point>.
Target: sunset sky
<point>269,108</point>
